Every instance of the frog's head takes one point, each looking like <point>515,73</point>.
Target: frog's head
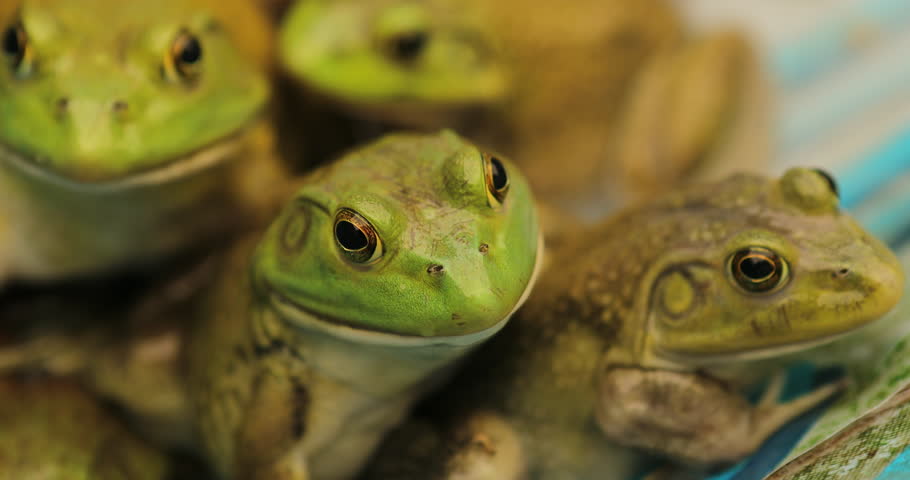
<point>778,268</point>
<point>100,91</point>
<point>412,236</point>
<point>392,54</point>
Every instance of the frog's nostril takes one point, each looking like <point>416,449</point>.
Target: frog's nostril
<point>62,105</point>
<point>484,248</point>
<point>843,272</point>
<point>120,107</point>
<point>436,269</point>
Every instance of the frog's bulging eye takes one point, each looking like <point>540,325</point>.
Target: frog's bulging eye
<point>406,47</point>
<point>184,59</point>
<point>356,237</point>
<point>497,179</point>
<point>15,46</point>
<point>828,178</point>
<point>758,270</point>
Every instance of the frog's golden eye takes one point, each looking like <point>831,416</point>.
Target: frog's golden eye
<point>496,179</point>
<point>184,59</point>
<point>828,178</point>
<point>759,270</point>
<point>15,46</point>
<point>406,47</point>
<point>356,237</point>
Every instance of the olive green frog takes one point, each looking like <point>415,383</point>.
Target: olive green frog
<point>139,131</point>
<point>54,430</point>
<point>318,334</point>
<point>595,99</point>
<point>645,332</point>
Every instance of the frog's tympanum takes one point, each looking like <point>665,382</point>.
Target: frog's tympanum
<point>52,430</point>
<point>631,337</point>
<point>583,94</point>
<point>318,335</point>
<point>130,130</point>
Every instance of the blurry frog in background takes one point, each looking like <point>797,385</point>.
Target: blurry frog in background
<point>594,99</point>
<point>131,130</point>
<point>319,334</point>
<point>646,330</point>
<point>52,430</point>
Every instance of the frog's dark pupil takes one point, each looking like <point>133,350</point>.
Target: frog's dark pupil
<point>828,178</point>
<point>498,171</point>
<point>408,46</point>
<point>11,44</point>
<point>350,237</point>
<point>756,267</point>
<point>191,51</point>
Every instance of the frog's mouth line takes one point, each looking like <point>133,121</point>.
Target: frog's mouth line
<point>758,353</point>
<point>204,158</point>
<point>300,317</point>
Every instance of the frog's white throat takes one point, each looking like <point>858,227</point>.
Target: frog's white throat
<point>360,357</point>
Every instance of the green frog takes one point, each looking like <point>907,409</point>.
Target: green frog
<point>318,334</point>
<point>629,80</point>
<point>52,430</point>
<point>140,130</point>
<point>646,332</point>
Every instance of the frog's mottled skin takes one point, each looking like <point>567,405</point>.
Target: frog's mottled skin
<point>52,430</point>
<point>590,97</point>
<point>632,332</point>
<point>118,155</point>
<point>304,364</point>
<point>302,357</point>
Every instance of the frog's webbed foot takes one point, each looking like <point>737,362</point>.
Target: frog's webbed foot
<point>693,418</point>
<point>679,117</point>
<point>483,446</point>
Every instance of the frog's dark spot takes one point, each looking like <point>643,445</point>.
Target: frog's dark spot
<point>436,269</point>
<point>275,345</point>
<point>455,318</point>
<point>408,46</point>
<point>240,353</point>
<point>300,397</point>
<point>62,105</point>
<point>120,106</point>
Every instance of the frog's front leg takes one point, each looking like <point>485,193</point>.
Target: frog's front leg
<point>269,443</point>
<point>691,417</point>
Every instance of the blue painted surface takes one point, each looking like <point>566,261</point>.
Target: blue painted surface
<point>899,469</point>
<point>872,172</point>
<point>891,221</point>
<point>820,51</point>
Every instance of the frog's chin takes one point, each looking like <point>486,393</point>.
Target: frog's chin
<point>298,316</point>
<point>177,168</point>
<point>756,354</point>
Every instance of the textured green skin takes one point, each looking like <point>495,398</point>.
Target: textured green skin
<point>52,430</point>
<point>597,307</point>
<point>270,391</point>
<point>70,174</point>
